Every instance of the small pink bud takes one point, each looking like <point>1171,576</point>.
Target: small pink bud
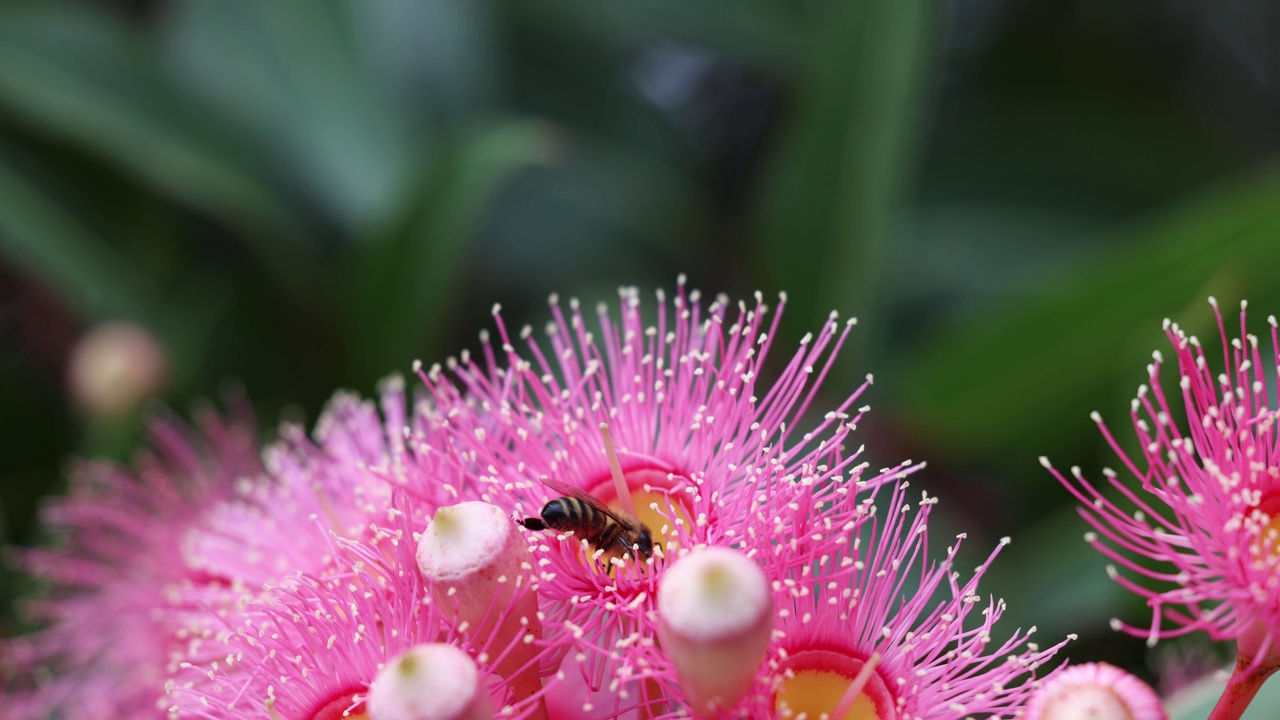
<point>716,617</point>
<point>1095,691</point>
<point>429,682</point>
<point>479,570</point>
<point>114,368</point>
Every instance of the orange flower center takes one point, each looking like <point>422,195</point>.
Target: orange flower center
<point>1270,537</point>
<point>817,680</point>
<point>660,495</point>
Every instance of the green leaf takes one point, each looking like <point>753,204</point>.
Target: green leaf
<point>836,181</point>
<point>297,79</point>
<point>1069,593</point>
<point>79,76</point>
<point>757,32</point>
<point>406,273</point>
<point>38,235</point>
<point>1196,701</point>
<point>1005,378</point>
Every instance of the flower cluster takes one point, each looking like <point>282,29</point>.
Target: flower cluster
<point>624,520</point>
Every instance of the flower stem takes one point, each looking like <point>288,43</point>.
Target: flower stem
<point>1241,688</point>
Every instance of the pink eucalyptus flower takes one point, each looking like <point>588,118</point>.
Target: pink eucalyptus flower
<point>155,569</point>
<point>866,624</point>
<point>1096,691</point>
<point>682,398</point>
<point>1200,538</point>
<point>309,649</point>
<point>113,571</point>
<point>319,491</point>
<point>293,522</point>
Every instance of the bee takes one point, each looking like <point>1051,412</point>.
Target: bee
<point>588,518</point>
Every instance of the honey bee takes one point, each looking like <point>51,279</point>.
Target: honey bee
<point>591,520</point>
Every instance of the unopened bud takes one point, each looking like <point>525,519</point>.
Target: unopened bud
<point>479,570</point>
<point>1096,691</point>
<point>716,616</point>
<point>429,682</point>
<point>114,368</point>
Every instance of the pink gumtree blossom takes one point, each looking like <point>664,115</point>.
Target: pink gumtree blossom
<point>287,590</point>
<point>311,648</point>
<point>150,568</point>
<point>1097,691</point>
<point>681,394</point>
<point>865,619</point>
<point>113,570</point>
<point>1198,536</point>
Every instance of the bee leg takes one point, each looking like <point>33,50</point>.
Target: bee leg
<point>534,523</point>
<point>627,550</point>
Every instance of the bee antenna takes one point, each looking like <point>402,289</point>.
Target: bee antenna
<point>615,467</point>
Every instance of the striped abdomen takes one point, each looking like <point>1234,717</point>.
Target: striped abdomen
<point>568,514</point>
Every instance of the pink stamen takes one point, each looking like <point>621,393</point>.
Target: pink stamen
<point>615,468</point>
<point>855,688</point>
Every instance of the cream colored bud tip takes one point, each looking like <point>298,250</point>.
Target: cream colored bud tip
<point>115,368</point>
<point>716,622</point>
<point>462,539</point>
<point>1097,691</point>
<point>713,593</point>
<point>429,682</point>
<point>1045,462</point>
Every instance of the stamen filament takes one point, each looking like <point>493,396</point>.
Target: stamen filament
<point>855,687</point>
<point>615,468</point>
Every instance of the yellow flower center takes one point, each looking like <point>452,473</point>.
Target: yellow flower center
<point>815,692</point>
<point>655,518</point>
<point>816,682</point>
<point>1270,537</point>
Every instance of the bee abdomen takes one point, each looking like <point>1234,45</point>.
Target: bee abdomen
<point>563,514</point>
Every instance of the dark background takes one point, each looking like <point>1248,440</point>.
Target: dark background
<point>303,196</point>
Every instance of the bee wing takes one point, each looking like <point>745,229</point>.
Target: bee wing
<point>584,496</point>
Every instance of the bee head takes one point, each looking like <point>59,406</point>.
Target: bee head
<point>645,542</point>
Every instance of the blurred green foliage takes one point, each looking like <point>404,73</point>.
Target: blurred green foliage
<point>310,195</point>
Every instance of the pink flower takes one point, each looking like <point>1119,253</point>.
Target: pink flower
<point>311,648</point>
<point>319,491</point>
<point>691,420</point>
<point>293,522</point>
<point>860,606</point>
<point>286,592</point>
<point>1097,691</point>
<point>113,571</point>
<point>154,568</point>
<point>1208,509</point>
